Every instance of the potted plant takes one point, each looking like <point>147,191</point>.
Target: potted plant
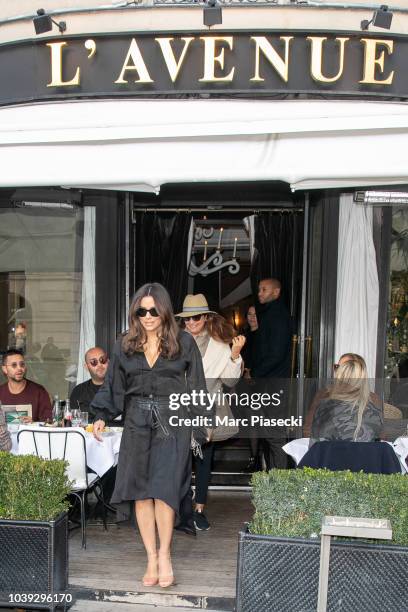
<point>33,532</point>
<point>279,552</point>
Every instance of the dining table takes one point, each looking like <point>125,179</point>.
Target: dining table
<point>100,455</point>
<point>299,447</point>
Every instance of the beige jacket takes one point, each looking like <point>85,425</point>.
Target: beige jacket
<point>219,369</point>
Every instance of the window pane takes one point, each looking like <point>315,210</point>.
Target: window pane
<point>40,290</point>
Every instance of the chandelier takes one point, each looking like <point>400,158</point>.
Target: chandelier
<point>214,262</point>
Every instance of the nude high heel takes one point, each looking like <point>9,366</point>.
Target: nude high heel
<point>151,580</point>
<point>166,580</point>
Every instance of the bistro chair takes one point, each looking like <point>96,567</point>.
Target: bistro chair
<point>68,445</point>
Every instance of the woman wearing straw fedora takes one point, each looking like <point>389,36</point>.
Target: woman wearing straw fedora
<point>222,361</point>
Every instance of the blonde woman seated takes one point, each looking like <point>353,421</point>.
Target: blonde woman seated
<point>348,411</point>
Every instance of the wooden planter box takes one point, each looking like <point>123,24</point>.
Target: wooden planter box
<point>34,560</point>
<point>282,575</point>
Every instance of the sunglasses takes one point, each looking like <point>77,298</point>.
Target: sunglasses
<point>193,318</point>
<point>16,364</point>
<point>94,362</point>
<point>142,312</point>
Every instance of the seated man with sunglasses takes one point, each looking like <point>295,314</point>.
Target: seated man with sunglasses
<point>96,362</point>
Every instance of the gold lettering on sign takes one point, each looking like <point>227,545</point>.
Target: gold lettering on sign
<point>210,59</point>
<point>56,67</point>
<point>316,59</point>
<point>138,65</point>
<point>167,50</point>
<point>371,61</point>
<point>281,65</point>
<point>90,44</point>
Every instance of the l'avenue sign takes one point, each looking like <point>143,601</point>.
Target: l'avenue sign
<point>246,63</point>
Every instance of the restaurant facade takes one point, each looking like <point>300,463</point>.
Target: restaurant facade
<point>138,144</point>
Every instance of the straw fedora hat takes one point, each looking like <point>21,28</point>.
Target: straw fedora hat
<point>194,305</point>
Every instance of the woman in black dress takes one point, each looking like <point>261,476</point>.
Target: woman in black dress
<point>153,360</point>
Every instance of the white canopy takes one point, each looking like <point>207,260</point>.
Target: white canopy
<point>142,144</point>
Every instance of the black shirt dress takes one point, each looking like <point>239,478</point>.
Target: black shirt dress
<point>154,457</point>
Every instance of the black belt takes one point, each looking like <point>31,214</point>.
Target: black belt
<point>155,406</point>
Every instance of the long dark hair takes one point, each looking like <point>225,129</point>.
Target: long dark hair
<point>135,338</point>
<point>219,328</point>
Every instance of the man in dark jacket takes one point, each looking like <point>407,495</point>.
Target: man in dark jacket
<point>271,361</point>
<point>271,358</point>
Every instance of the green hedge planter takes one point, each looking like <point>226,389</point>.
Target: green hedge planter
<point>33,532</point>
<point>278,558</point>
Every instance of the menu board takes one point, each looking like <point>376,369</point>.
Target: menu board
<point>14,413</point>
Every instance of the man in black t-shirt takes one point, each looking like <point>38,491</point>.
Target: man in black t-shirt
<point>96,362</point>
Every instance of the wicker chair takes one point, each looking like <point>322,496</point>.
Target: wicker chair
<point>392,412</point>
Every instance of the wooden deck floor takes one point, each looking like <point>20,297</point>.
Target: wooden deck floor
<point>204,565</point>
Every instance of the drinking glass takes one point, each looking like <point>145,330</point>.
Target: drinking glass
<point>76,418</point>
<point>84,419</point>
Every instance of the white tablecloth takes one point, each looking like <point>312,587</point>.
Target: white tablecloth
<point>100,455</point>
<point>400,447</point>
<point>298,448</point>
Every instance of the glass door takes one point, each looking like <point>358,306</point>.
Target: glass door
<point>313,359</point>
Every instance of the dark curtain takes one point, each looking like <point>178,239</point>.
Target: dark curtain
<point>278,254</point>
<point>160,242</point>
